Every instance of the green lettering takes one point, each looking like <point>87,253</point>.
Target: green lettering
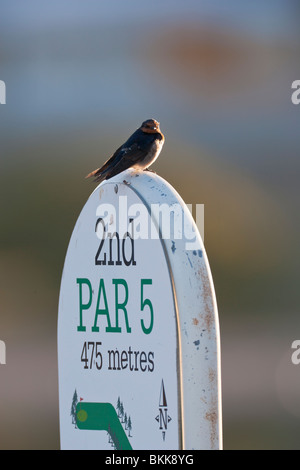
<point>121,306</point>
<point>146,303</point>
<point>83,306</point>
<point>103,311</point>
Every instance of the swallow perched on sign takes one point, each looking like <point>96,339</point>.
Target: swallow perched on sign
<point>139,152</point>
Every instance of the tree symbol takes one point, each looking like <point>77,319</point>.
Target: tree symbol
<point>124,418</point>
<point>129,426</point>
<point>122,412</point>
<point>119,407</point>
<point>73,408</point>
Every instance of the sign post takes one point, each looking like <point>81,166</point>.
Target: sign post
<point>138,333</point>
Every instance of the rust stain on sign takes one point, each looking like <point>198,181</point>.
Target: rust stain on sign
<point>212,414</point>
<point>212,417</point>
<point>212,376</point>
<point>207,316</point>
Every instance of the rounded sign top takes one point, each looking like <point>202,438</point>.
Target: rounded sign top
<point>138,340</point>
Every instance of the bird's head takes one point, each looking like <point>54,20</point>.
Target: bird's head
<point>151,126</point>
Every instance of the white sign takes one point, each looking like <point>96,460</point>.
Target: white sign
<point>121,360</point>
<point>2,92</point>
<point>2,352</point>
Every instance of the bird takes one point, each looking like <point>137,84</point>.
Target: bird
<point>139,151</point>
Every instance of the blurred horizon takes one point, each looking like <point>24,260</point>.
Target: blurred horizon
<point>218,77</point>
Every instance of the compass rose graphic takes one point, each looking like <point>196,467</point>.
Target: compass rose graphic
<point>163,418</point>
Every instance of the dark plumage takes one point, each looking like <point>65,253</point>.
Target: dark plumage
<point>139,151</point>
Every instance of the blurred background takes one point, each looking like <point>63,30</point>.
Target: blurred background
<point>80,78</point>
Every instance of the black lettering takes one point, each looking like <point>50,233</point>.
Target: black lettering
<point>114,360</point>
<point>136,353</point>
<point>131,260</point>
<point>130,353</point>
<point>116,239</point>
<point>143,360</point>
<point>124,360</point>
<point>97,260</point>
<point>151,361</point>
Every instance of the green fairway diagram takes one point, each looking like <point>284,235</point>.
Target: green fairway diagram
<point>102,417</point>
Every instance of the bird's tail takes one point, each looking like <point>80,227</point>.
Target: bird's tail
<point>97,174</point>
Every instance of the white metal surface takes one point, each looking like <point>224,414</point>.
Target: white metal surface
<point>198,324</point>
<point>189,345</point>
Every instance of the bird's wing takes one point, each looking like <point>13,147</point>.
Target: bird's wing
<point>124,157</point>
<point>127,158</point>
